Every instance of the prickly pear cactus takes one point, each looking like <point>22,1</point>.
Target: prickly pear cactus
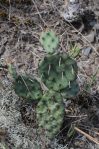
<point>27,87</point>
<point>70,91</point>
<point>50,114</point>
<point>49,41</point>
<point>57,71</point>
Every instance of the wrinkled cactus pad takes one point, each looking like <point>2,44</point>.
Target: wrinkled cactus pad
<point>49,41</point>
<point>27,87</point>
<point>70,91</point>
<point>50,114</point>
<point>56,71</point>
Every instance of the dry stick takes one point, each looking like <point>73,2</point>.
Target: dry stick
<point>86,135</point>
<point>97,133</point>
<point>9,10</point>
<point>79,116</point>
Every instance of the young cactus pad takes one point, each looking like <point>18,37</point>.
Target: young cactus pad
<point>50,114</point>
<point>49,41</point>
<point>57,71</point>
<point>27,87</point>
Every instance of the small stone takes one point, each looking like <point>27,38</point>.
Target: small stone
<point>87,51</point>
<point>71,12</point>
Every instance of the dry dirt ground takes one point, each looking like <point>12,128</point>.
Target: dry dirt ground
<point>21,23</point>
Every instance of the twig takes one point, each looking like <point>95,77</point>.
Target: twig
<point>9,10</point>
<point>87,136</point>
<point>79,116</point>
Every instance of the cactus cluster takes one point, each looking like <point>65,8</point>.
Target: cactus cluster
<point>50,113</point>
<point>49,41</point>
<point>58,72</point>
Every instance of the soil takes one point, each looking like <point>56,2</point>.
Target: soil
<point>21,23</point>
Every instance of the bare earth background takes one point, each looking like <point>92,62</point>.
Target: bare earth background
<point>21,23</point>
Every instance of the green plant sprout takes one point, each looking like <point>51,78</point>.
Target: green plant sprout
<point>75,51</point>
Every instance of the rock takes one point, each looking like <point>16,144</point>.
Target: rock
<point>86,51</point>
<point>71,12</point>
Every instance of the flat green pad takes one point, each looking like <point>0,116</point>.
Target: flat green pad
<point>50,114</point>
<point>70,91</point>
<point>49,41</point>
<point>57,71</point>
<point>27,87</point>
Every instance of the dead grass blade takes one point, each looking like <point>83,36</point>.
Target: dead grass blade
<point>87,135</point>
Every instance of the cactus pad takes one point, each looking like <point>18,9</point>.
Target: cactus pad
<point>49,41</point>
<point>57,71</point>
<point>50,114</point>
<point>27,87</point>
<point>70,91</point>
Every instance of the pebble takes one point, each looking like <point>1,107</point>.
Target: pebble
<point>71,11</point>
<point>86,51</point>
